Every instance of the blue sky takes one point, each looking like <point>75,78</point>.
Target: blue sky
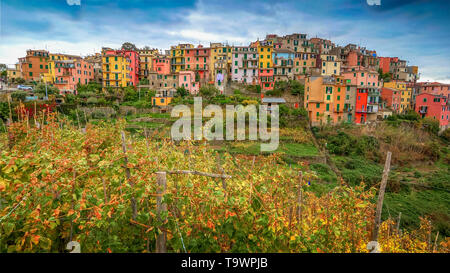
<point>414,30</point>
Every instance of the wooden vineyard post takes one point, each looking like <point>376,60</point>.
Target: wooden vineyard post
<point>398,222</point>
<point>128,174</point>
<point>435,242</point>
<point>384,179</point>
<point>78,119</point>
<point>161,208</point>
<point>221,171</point>
<point>299,197</point>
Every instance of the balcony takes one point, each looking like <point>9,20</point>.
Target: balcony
<point>61,82</point>
<point>202,68</point>
<point>201,54</point>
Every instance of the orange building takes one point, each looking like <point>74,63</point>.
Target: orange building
<point>325,99</point>
<point>34,65</point>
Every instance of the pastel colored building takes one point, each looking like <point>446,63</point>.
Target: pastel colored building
<point>385,64</point>
<point>330,65</point>
<point>405,92</point>
<point>14,73</point>
<point>178,57</point>
<point>354,58</point>
<point>433,106</point>
<point>325,99</point>
<point>161,101</point>
<point>34,65</point>
<point>146,56</point>
<point>305,63</point>
<point>70,73</point>
<point>187,80</point>
<point>120,68</point>
<point>391,99</point>
<point>161,65</point>
<point>434,88</point>
<point>367,92</point>
<point>244,65</point>
<point>283,64</point>
<point>50,76</point>
<point>198,60</point>
<point>266,73</point>
<point>220,62</point>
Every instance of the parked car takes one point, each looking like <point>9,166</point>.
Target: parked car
<point>24,87</point>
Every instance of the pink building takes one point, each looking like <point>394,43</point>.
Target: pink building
<point>436,107</point>
<point>161,65</point>
<point>187,80</point>
<point>70,73</point>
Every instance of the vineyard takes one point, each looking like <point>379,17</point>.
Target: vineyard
<point>103,188</point>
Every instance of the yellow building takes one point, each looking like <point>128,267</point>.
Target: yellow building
<point>116,67</point>
<point>14,73</point>
<point>146,56</point>
<point>178,57</point>
<point>330,65</point>
<point>221,58</point>
<point>161,101</point>
<point>50,76</point>
<point>265,50</point>
<point>405,95</point>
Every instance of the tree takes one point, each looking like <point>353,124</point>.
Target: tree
<point>51,90</point>
<point>91,87</point>
<point>19,80</point>
<point>129,46</point>
<point>130,94</point>
<point>182,92</point>
<point>19,95</point>
<point>386,77</point>
<point>209,91</point>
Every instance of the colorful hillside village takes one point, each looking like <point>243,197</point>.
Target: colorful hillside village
<point>341,83</point>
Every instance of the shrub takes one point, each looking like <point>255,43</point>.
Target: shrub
<point>92,100</point>
<point>19,95</point>
<point>209,91</point>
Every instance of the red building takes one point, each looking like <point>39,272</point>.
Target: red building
<point>161,65</point>
<point>361,106</point>
<point>434,88</point>
<point>197,60</point>
<point>434,106</point>
<point>266,80</point>
<point>385,63</point>
<point>392,98</point>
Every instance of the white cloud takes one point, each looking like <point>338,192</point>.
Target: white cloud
<point>74,2</point>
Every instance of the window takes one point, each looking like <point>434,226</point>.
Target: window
<point>317,105</point>
<point>328,107</point>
